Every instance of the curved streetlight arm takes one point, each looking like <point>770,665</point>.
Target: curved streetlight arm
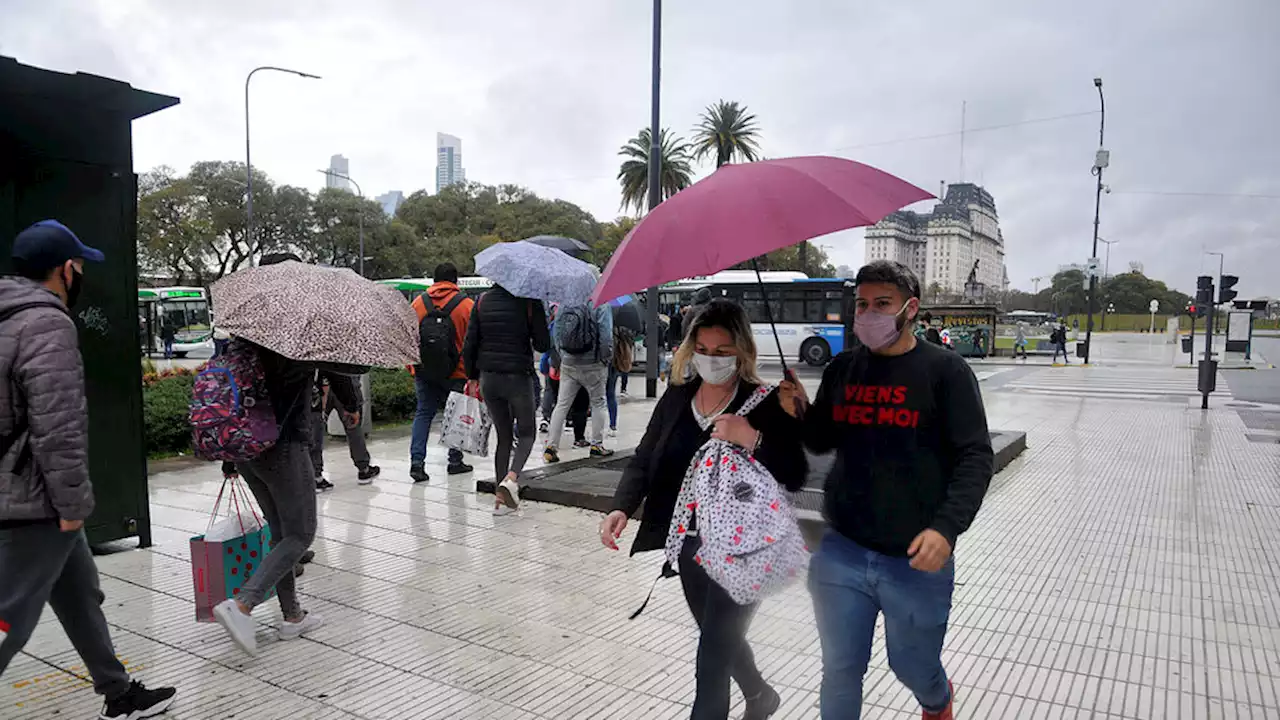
<point>248,163</point>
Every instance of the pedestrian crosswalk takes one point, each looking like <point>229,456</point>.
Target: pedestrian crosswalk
<point>1148,383</point>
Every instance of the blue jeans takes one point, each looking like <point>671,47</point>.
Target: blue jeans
<point>431,397</point>
<point>611,396</point>
<point>851,585</point>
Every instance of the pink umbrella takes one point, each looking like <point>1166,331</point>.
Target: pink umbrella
<point>744,211</point>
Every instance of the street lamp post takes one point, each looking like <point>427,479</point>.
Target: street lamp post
<point>248,164</point>
<point>1101,161</point>
<point>652,334</point>
<point>1106,273</point>
<point>359,211</point>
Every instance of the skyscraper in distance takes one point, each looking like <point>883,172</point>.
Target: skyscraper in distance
<point>448,161</point>
<point>391,201</point>
<point>339,170</point>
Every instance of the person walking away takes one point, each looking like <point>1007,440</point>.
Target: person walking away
<point>323,402</point>
<point>720,348</point>
<point>913,463</point>
<point>45,491</point>
<point>281,479</point>
<point>619,367</point>
<point>502,336</point>
<point>1020,340</point>
<point>584,338</point>
<point>444,315</point>
<point>168,333</point>
<point>1059,340</point>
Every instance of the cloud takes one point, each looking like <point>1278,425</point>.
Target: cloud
<point>544,94</point>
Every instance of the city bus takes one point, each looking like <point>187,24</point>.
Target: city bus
<point>810,313</point>
<point>185,308</point>
<point>411,288</point>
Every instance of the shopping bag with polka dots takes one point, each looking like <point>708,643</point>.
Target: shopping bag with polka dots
<point>751,542</point>
<point>230,551</point>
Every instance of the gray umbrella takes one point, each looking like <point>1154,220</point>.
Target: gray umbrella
<point>576,248</point>
<point>537,272</point>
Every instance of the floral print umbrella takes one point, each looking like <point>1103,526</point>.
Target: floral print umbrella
<point>318,314</point>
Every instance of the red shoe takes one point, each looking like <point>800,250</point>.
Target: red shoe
<point>945,713</point>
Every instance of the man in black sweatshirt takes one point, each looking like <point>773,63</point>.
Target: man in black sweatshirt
<point>914,459</point>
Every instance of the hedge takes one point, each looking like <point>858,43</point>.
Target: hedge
<point>166,396</point>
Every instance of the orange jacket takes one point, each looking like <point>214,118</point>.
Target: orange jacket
<point>441,293</point>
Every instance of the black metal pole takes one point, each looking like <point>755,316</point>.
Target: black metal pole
<point>768,315</point>
<point>653,333</point>
<point>1097,210</point>
<point>1208,358</point>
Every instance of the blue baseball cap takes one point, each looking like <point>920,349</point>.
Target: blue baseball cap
<point>47,245</point>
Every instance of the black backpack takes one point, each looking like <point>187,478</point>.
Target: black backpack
<point>438,341</point>
<point>576,330</point>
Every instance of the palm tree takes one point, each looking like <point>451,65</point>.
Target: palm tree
<point>727,131</point>
<point>677,174</point>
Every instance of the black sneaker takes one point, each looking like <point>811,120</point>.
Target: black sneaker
<point>138,702</point>
<point>366,475</point>
<point>298,570</point>
<point>323,485</point>
<point>460,469</point>
<point>581,443</point>
<point>550,455</point>
<point>600,451</point>
<point>419,474</point>
<point>307,557</point>
<point>763,705</point>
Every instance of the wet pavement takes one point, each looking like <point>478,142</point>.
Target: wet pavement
<point>1123,567</point>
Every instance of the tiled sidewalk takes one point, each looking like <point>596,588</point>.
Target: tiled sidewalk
<point>1124,567</point>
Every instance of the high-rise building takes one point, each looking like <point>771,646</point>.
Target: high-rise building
<point>448,161</point>
<point>339,170</point>
<point>942,246</point>
<point>390,202</point>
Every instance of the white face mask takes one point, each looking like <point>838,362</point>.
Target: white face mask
<point>715,369</point>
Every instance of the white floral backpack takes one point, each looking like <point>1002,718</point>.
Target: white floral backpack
<point>751,542</point>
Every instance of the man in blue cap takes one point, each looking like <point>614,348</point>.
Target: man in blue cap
<point>45,493</point>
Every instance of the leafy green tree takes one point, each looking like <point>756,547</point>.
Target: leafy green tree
<point>336,216</point>
<point>173,229</point>
<point>727,131</point>
<point>613,233</point>
<point>633,175</point>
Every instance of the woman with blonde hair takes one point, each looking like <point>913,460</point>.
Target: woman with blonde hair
<point>718,346</point>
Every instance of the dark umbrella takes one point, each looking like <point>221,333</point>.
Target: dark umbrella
<point>627,314</point>
<point>569,246</point>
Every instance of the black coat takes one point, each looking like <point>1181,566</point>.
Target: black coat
<point>657,470</point>
<point>503,335</point>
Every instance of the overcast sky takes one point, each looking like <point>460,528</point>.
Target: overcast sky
<point>543,92</point>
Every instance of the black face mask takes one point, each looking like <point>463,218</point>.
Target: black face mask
<point>74,288</point>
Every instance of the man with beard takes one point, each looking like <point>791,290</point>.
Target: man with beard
<point>914,459</point>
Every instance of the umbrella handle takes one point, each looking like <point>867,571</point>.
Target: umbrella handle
<point>768,313</point>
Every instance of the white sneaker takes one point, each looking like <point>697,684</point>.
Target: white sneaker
<point>501,510</point>
<point>239,626</point>
<point>508,493</point>
<point>295,630</point>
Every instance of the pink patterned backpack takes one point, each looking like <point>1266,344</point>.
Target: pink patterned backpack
<point>751,542</point>
<point>231,414</point>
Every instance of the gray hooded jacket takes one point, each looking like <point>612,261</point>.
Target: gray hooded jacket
<point>44,423</point>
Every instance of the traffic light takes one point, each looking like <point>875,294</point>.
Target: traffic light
<point>1204,290</point>
<point>1225,293</point>
<point>1191,309</point>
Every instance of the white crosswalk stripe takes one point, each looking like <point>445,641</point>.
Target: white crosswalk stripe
<point>1115,383</point>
